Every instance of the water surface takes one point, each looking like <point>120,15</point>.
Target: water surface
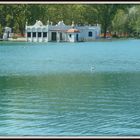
<point>70,89</point>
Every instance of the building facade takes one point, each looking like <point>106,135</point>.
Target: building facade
<point>61,32</point>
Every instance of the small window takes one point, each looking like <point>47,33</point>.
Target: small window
<point>28,34</point>
<point>90,34</point>
<point>44,34</point>
<point>34,34</point>
<point>69,35</point>
<point>39,34</point>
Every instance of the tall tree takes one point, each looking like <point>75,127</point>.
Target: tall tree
<point>119,23</point>
<point>106,13</point>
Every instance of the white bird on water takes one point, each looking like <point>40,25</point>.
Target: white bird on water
<point>92,68</point>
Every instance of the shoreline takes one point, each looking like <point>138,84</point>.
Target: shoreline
<point>23,39</point>
<point>96,40</point>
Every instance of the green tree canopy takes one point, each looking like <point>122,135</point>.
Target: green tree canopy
<point>112,17</point>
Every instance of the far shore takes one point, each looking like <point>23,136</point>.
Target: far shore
<point>23,39</point>
<point>20,39</point>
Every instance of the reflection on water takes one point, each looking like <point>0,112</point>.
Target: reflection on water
<point>76,104</point>
<point>41,96</point>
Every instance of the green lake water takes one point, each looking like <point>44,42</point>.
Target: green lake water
<point>70,89</point>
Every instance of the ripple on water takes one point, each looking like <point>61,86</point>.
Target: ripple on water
<point>45,93</point>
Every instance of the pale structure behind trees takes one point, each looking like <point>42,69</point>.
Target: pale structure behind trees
<point>7,33</point>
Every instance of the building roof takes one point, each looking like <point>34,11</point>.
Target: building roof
<point>73,31</point>
<point>60,23</point>
<point>38,23</point>
<point>58,30</point>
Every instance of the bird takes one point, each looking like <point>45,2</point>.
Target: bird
<point>92,68</point>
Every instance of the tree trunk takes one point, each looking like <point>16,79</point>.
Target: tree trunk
<point>105,29</point>
<point>104,33</point>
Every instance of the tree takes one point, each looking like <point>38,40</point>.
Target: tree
<point>119,22</point>
<point>91,14</point>
<point>112,17</point>
<point>106,13</point>
<point>1,29</point>
<point>134,20</point>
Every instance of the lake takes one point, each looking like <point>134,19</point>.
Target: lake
<point>70,89</point>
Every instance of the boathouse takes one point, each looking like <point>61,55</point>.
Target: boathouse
<point>61,32</point>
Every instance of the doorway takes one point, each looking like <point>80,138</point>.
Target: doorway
<point>77,37</point>
<point>53,36</point>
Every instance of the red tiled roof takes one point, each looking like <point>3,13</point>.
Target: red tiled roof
<point>73,31</point>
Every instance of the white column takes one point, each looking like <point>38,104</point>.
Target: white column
<point>58,37</point>
<point>42,39</point>
<point>65,36</point>
<point>48,35</point>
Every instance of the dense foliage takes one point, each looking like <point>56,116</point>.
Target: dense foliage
<point>114,18</point>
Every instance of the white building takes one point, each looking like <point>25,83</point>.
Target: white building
<point>7,33</point>
<point>61,32</point>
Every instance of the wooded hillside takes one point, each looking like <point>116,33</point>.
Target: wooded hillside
<point>115,18</point>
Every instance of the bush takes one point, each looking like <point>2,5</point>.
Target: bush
<point>14,37</point>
